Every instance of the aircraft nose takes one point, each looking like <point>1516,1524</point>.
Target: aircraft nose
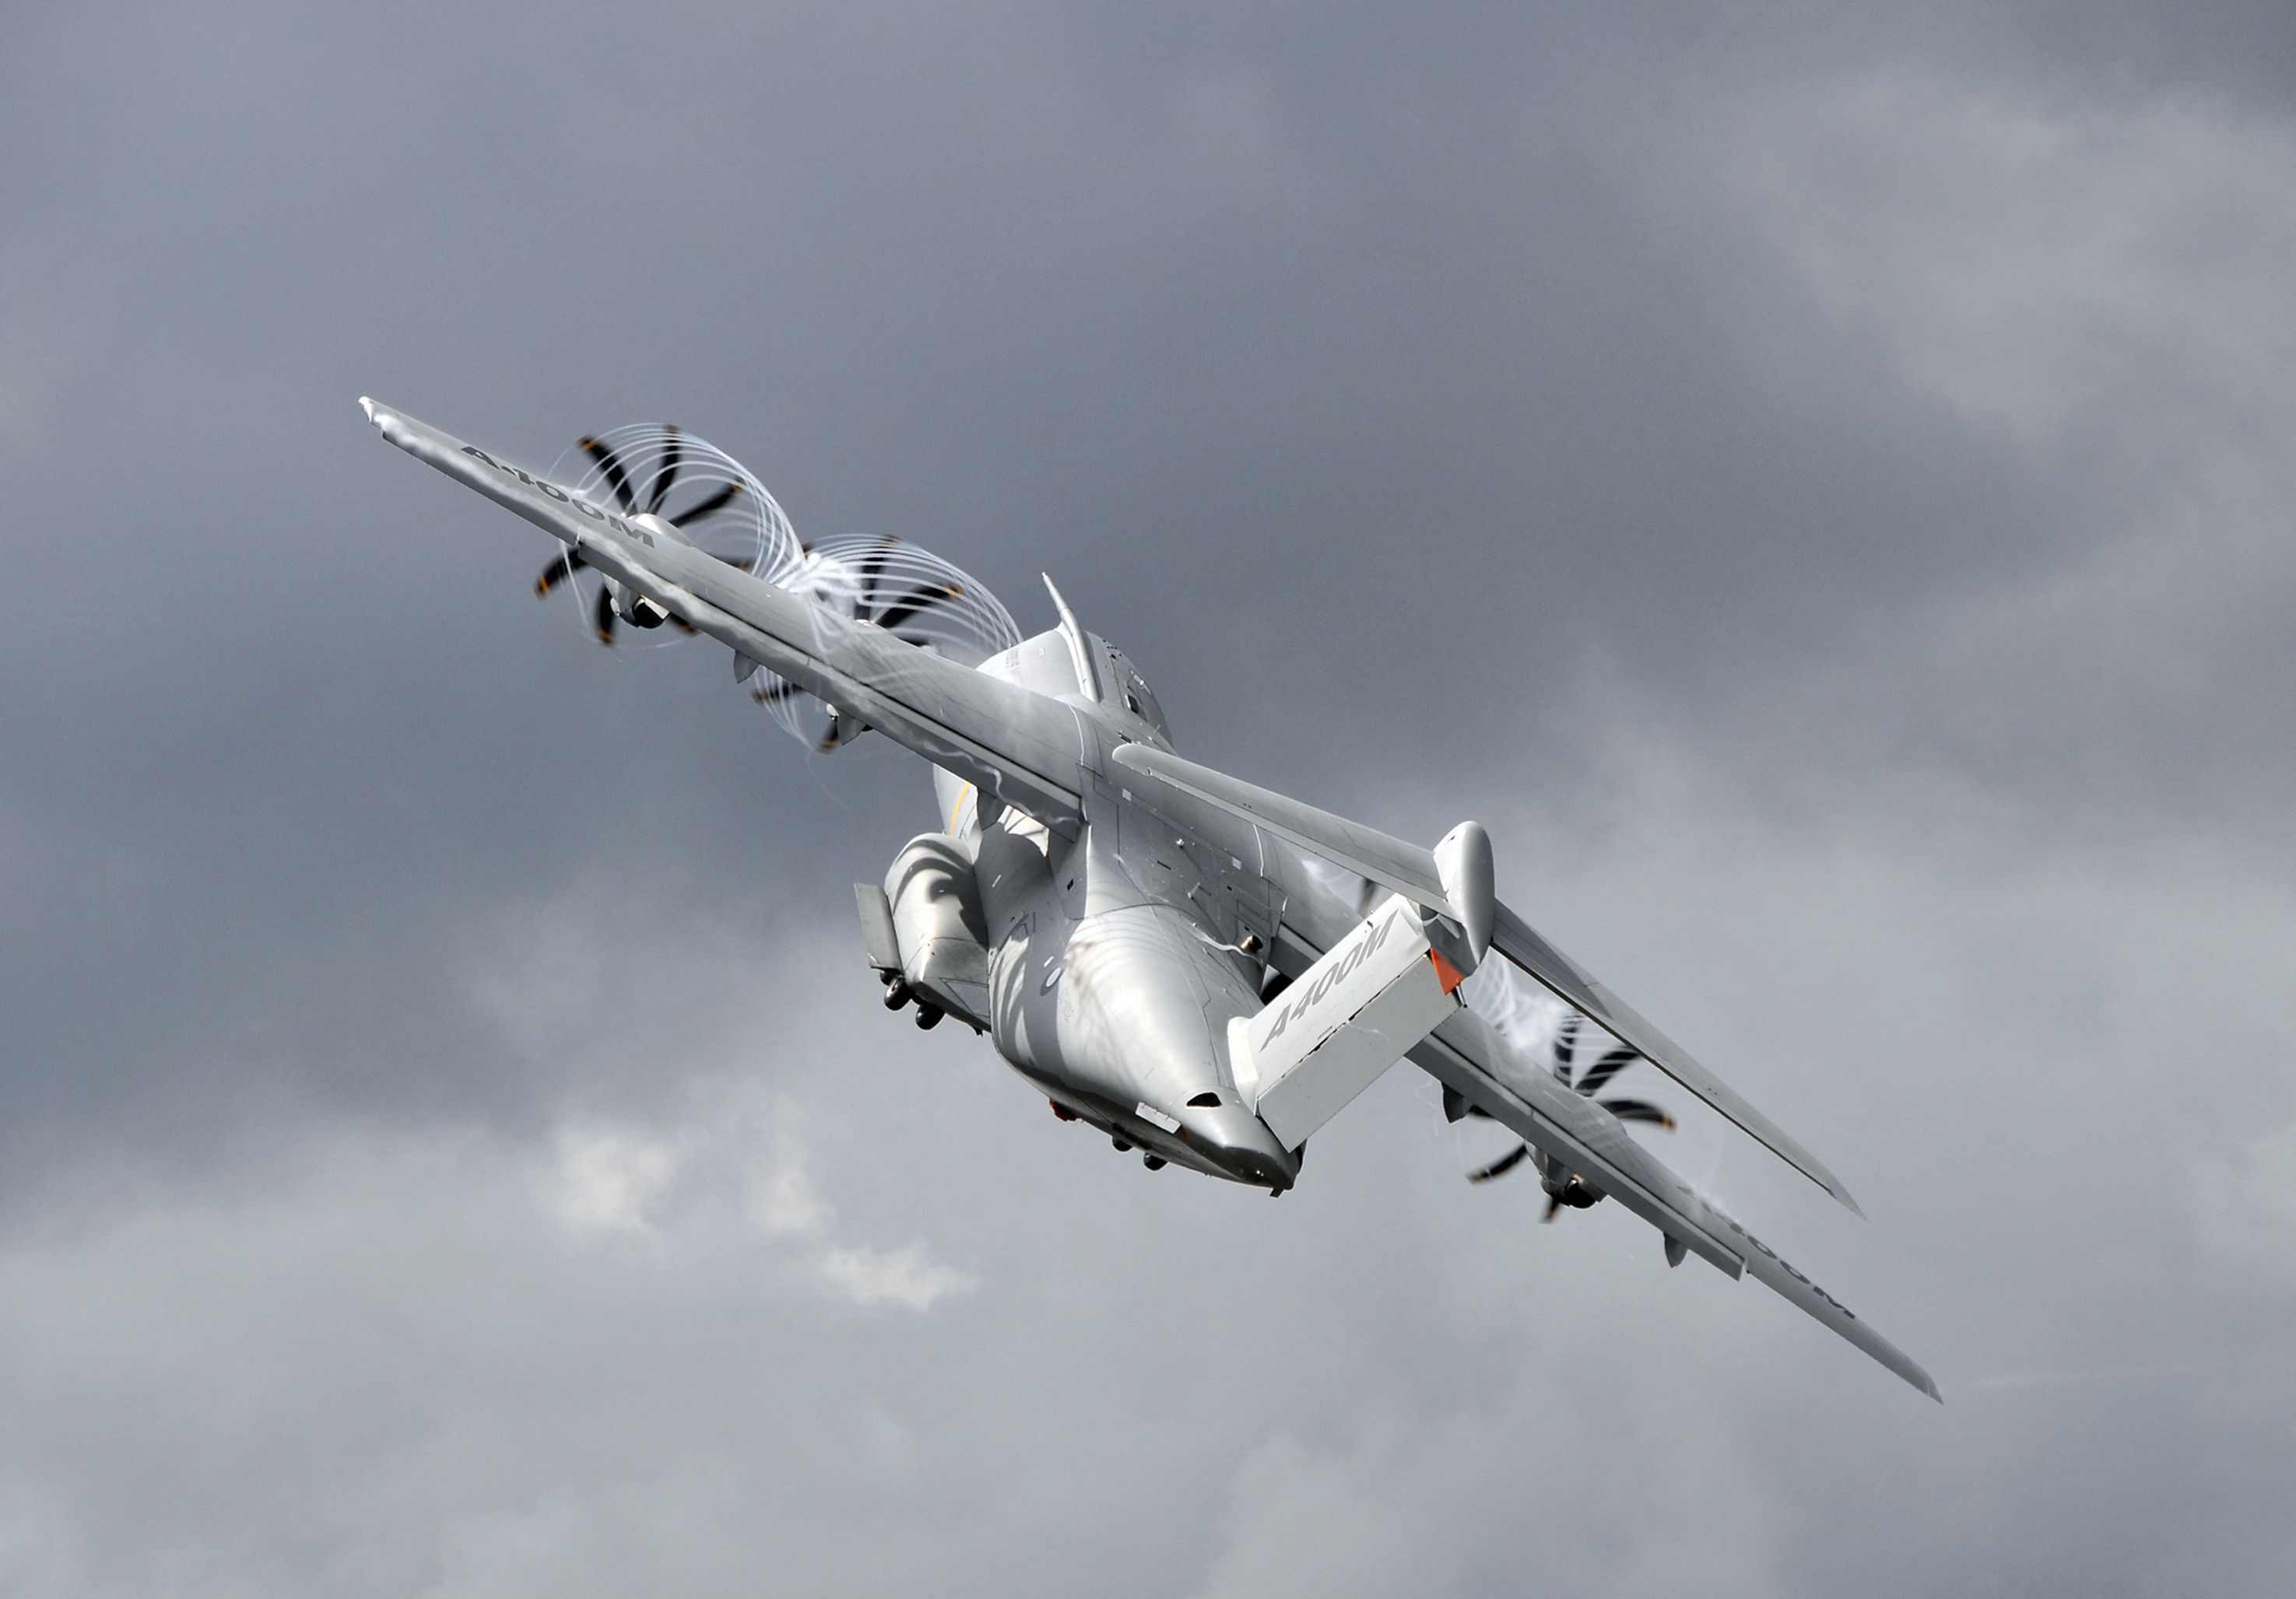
<point>1240,1144</point>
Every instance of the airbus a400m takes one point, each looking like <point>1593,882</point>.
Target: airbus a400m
<point>1205,970</point>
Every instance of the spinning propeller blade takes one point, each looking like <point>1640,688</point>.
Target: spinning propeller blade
<point>673,457</point>
<point>925,593</point>
<point>558,572</point>
<point>711,506</point>
<point>1601,1073</point>
<point>668,470</point>
<point>1499,1167</point>
<point>611,464</point>
<point>1564,1187</point>
<point>1638,1109</point>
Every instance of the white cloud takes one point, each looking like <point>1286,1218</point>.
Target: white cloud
<point>674,1184</point>
<point>607,1180</point>
<point>907,1276</point>
<point>785,1203</point>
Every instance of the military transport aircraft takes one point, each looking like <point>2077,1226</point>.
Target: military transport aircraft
<point>1204,970</point>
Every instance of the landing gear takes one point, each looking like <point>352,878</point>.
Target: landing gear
<point>898,993</point>
<point>1152,1162</point>
<point>928,1015</point>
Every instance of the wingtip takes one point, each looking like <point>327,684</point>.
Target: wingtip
<point>1812,1167</point>
<point>1809,1168</point>
<point>385,420</point>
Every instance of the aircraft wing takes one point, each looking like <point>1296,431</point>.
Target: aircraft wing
<point>1409,870</point>
<point>1015,745</point>
<point>1466,1055</point>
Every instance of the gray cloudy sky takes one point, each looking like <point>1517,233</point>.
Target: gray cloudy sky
<point>1818,486</point>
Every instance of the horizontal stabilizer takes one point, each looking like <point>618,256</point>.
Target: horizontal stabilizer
<point>1341,1023</point>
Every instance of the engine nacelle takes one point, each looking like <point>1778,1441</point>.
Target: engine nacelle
<point>639,611</point>
<point>938,927</point>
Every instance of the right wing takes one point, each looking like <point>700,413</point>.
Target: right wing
<point>1014,744</point>
<point>1409,870</point>
<point>1466,1055</point>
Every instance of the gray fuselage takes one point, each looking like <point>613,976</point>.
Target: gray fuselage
<point>1111,973</point>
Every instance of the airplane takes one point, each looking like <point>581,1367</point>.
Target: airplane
<point>1203,969</point>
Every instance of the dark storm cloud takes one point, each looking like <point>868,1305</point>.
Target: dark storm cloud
<point>1811,482</point>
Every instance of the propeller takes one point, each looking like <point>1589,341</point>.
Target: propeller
<point>1565,1187</point>
<point>909,592</point>
<point>871,604</point>
<point>718,504</point>
<point>661,457</point>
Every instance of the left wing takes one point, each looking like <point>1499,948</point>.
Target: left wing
<point>1014,744</point>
